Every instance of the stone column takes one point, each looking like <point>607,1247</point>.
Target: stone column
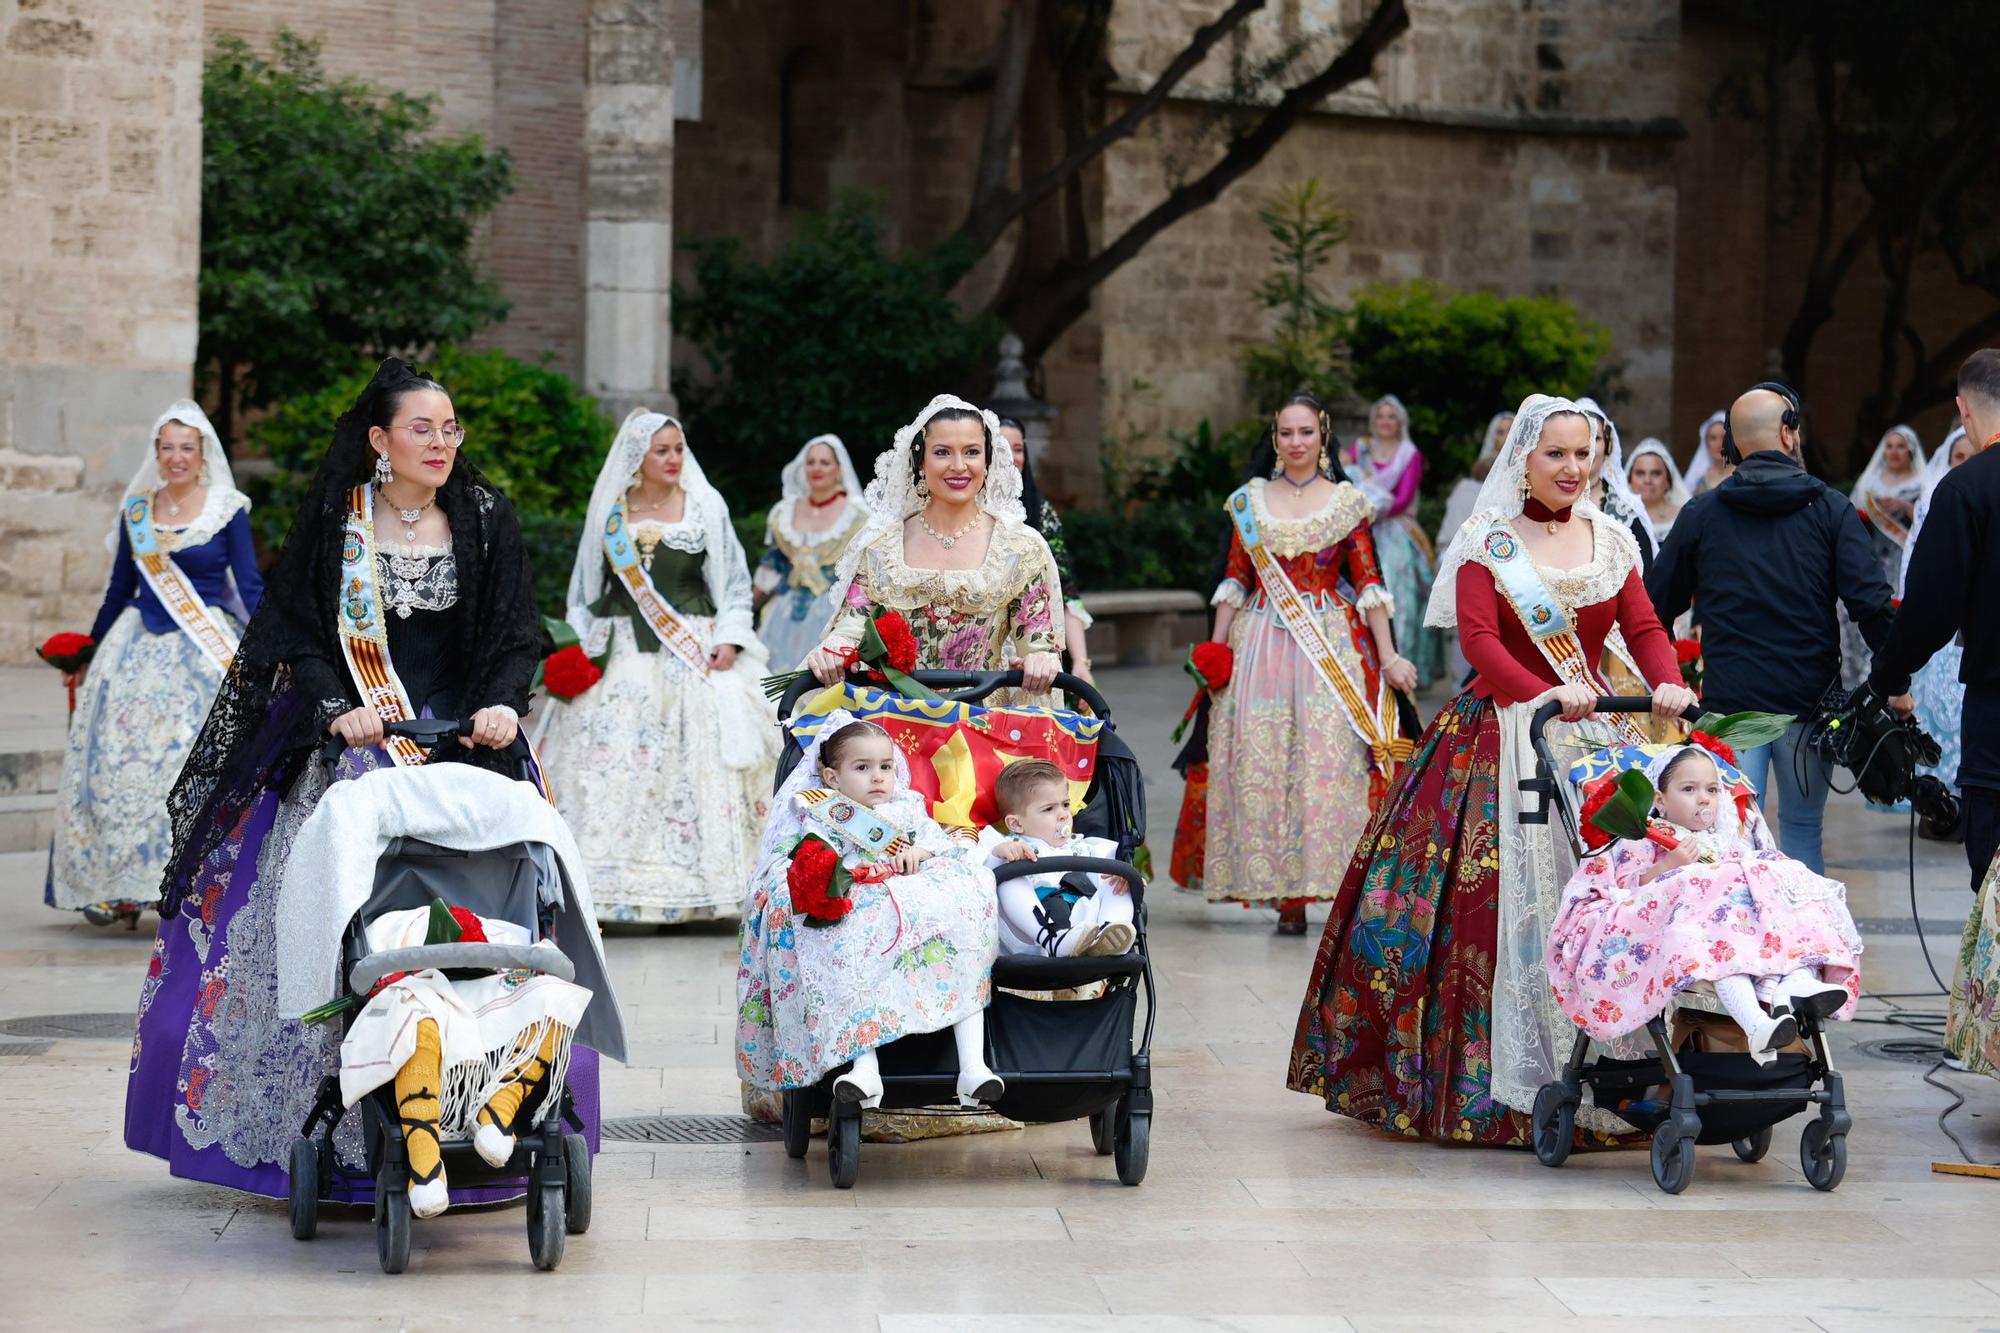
<point>100,207</point>
<point>628,226</point>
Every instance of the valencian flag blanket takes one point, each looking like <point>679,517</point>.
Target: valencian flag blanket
<point>956,750</point>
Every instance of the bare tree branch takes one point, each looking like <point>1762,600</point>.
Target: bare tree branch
<point>1061,301</point>
<point>993,212</point>
<point>1003,113</point>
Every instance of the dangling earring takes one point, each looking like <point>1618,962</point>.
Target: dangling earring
<point>383,472</point>
<point>201,478</point>
<point>923,488</point>
<point>1325,467</point>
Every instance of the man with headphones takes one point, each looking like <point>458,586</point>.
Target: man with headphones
<point>1762,559</point>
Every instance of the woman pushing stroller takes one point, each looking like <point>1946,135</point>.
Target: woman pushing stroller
<point>1705,896</point>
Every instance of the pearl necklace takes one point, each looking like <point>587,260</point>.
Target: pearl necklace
<point>168,505</point>
<point>409,516</point>
<point>942,539</point>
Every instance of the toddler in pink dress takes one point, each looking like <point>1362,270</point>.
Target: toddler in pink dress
<point>1640,923</point>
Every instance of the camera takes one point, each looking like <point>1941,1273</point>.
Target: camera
<point>1862,734</point>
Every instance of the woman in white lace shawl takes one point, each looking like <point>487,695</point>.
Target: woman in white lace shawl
<point>1887,494</point>
<point>809,527</point>
<point>664,766</point>
<point>1429,1013</point>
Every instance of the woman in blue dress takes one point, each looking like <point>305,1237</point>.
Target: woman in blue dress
<point>171,617</point>
<point>809,527</point>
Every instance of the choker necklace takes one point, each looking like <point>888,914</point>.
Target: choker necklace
<point>409,516</point>
<point>942,539</point>
<point>1286,477</point>
<point>821,504</point>
<point>1538,512</point>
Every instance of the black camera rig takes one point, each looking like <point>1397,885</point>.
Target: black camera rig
<point>1862,734</point>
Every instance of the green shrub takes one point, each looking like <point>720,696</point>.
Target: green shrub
<point>1164,525</point>
<point>837,332</point>
<point>530,429</point>
<point>1456,358</point>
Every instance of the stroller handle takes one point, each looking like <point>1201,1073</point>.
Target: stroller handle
<point>966,687</point>
<point>429,732</point>
<point>1543,783</point>
<point>1065,865</point>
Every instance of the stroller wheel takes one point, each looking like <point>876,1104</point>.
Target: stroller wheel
<point>1554,1124</point>
<point>1673,1159</point>
<point>1135,1134</point>
<point>797,1103</point>
<point>1103,1130</point>
<point>1822,1155</point>
<point>576,1161</point>
<point>1753,1148</point>
<point>547,1224</point>
<point>303,1189</point>
<point>843,1145</point>
<point>392,1222</point>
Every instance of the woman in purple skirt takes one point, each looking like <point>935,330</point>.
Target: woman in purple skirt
<point>403,590</point>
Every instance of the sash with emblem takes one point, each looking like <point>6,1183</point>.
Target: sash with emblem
<point>210,632</point>
<point>675,633</point>
<point>1373,719</point>
<point>364,639</point>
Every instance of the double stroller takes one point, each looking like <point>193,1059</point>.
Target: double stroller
<point>397,839</point>
<point>1712,1097</point>
<point>1061,1059</point>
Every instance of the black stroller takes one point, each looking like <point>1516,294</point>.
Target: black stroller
<point>1060,1059</point>
<point>1714,1096</point>
<point>551,1153</point>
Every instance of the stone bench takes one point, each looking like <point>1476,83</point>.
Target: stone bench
<point>1144,627</point>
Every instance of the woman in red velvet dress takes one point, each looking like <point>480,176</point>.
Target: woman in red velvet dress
<point>1429,1013</point>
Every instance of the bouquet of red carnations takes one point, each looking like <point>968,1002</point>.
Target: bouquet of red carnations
<point>887,647</point>
<point>822,888</point>
<point>1212,665</point>
<point>68,652</point>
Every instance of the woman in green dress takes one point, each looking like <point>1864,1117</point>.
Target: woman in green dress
<point>663,768</point>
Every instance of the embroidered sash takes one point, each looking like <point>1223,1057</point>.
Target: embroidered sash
<point>1374,723</point>
<point>164,577</point>
<point>855,823</point>
<point>1546,619</point>
<point>673,632</point>
<point>364,639</point>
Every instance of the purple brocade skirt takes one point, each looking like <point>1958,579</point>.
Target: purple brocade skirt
<point>221,1082</point>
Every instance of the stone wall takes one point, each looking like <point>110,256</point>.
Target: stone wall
<point>100,192</point>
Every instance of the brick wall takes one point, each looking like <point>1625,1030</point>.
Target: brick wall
<point>100,161</point>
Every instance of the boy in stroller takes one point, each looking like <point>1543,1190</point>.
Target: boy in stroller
<point>1061,916</point>
<point>1704,897</point>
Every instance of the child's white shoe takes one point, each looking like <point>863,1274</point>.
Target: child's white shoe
<point>1769,1036</point>
<point>430,1198</point>
<point>1109,939</point>
<point>979,1086</point>
<point>494,1146</point>
<point>1808,996</point>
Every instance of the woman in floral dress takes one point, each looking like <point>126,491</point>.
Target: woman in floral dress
<point>1429,1013</point>
<point>664,767</point>
<point>1300,747</point>
<point>818,514</point>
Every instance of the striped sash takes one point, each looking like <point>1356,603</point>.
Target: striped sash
<point>673,632</point>
<point>210,633</point>
<point>364,638</point>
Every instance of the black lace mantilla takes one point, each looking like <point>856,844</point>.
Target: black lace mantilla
<point>289,679</point>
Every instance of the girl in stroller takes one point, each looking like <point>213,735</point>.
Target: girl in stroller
<point>1642,920</point>
<point>866,923</point>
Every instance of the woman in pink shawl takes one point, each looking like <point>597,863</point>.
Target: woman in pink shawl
<point>1388,469</point>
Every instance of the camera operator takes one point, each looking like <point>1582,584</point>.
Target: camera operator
<point>1953,587</point>
<point>1764,557</point>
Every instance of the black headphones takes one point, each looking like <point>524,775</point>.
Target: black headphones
<point>1730,453</point>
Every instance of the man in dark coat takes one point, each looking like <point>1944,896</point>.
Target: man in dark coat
<point>1764,558</point>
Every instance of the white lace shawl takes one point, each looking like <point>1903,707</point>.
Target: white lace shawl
<point>1677,491</point>
<point>1378,480</point>
<point>892,497</point>
<point>1698,465</point>
<point>1500,501</point>
<point>1938,464</point>
<point>224,500</point>
<point>1619,500</point>
<point>1875,479</point>
<point>726,571</point>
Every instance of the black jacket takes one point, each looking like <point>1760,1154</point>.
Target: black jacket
<point>1765,556</point>
<point>1953,585</point>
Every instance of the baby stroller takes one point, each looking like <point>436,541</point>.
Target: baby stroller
<point>522,876</point>
<point>1714,1096</point>
<point>1060,1059</point>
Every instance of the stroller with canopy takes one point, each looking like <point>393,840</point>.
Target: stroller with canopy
<point>396,841</point>
<point>1061,1059</point>
<point>1713,1096</point>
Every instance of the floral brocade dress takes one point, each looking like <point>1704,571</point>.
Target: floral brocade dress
<point>1429,1013</point>
<point>1290,783</point>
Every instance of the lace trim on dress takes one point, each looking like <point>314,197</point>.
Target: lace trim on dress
<point>416,578</point>
<point>1614,555</point>
<point>649,535</point>
<point>989,586</point>
<point>216,511</point>
<point>790,538</point>
<point>1344,511</point>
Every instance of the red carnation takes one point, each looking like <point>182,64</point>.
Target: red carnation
<point>1596,795</point>
<point>67,652</point>
<point>1719,748</point>
<point>1687,651</point>
<point>814,867</point>
<point>470,930</point>
<point>899,645</point>
<point>1212,664</point>
<point>569,671</point>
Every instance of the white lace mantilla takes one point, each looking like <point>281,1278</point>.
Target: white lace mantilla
<point>221,505</point>
<point>416,578</point>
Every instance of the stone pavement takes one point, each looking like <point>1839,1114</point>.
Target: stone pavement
<point>1261,1211</point>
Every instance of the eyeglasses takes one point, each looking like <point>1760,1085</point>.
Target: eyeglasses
<point>451,435</point>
